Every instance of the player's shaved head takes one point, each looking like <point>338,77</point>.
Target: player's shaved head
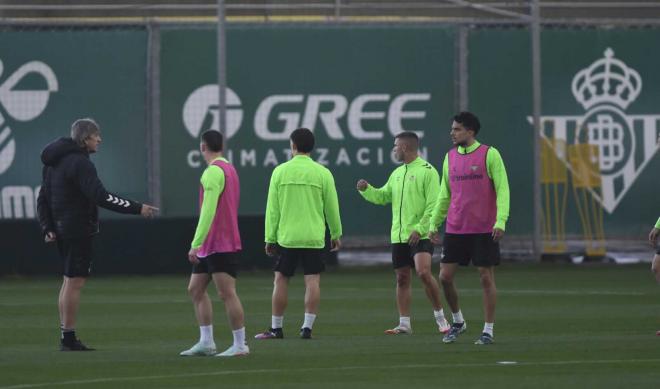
<point>410,139</point>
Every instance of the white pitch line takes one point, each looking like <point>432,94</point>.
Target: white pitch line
<point>113,302</point>
<point>568,292</point>
<point>514,292</point>
<point>338,368</point>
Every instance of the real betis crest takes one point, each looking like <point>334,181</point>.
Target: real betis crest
<point>623,144</point>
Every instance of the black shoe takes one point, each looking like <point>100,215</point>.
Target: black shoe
<point>76,345</point>
<point>306,333</point>
<point>272,333</point>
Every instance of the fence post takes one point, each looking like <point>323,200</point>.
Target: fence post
<point>153,115</point>
<point>535,30</point>
<point>462,72</point>
<point>222,70</point>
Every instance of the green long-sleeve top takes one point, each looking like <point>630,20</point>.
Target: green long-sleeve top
<point>496,172</point>
<point>657,224</point>
<point>412,189</point>
<point>213,183</point>
<point>301,198</point>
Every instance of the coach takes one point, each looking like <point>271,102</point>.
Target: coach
<point>68,214</point>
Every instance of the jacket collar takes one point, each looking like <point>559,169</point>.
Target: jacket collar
<point>469,149</point>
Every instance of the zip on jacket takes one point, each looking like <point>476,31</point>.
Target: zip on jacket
<point>412,190</point>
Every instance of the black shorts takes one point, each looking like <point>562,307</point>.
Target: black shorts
<point>218,263</point>
<point>288,259</point>
<point>476,248</point>
<point>76,254</point>
<point>403,254</point>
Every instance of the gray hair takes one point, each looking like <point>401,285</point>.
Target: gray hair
<point>82,129</point>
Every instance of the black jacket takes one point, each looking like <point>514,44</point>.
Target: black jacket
<point>71,190</point>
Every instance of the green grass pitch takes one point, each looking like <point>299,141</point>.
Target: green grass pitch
<point>563,326</point>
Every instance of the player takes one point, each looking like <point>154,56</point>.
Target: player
<point>655,265</point>
<point>412,189</point>
<point>301,199</point>
<point>215,250</point>
<point>474,198</point>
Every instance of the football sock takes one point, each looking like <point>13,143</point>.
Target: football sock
<point>439,316</point>
<point>239,337</point>
<point>68,335</point>
<point>458,317</point>
<point>309,320</point>
<point>404,321</point>
<point>488,328</point>
<point>206,334</point>
<point>276,321</point>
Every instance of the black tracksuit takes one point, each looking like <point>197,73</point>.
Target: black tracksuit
<point>71,191</point>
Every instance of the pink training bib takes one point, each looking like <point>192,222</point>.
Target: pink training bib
<point>224,236</point>
<point>473,207</point>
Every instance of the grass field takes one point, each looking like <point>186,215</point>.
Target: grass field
<point>564,326</point>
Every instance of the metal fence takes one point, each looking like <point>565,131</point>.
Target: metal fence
<point>472,31</point>
<point>562,11</point>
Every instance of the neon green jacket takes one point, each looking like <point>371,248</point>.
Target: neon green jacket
<point>301,198</point>
<point>657,224</point>
<point>213,182</point>
<point>496,171</point>
<point>412,189</point>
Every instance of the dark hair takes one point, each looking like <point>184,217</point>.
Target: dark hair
<point>409,137</point>
<point>82,129</point>
<point>303,139</point>
<point>213,140</point>
<point>469,120</point>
